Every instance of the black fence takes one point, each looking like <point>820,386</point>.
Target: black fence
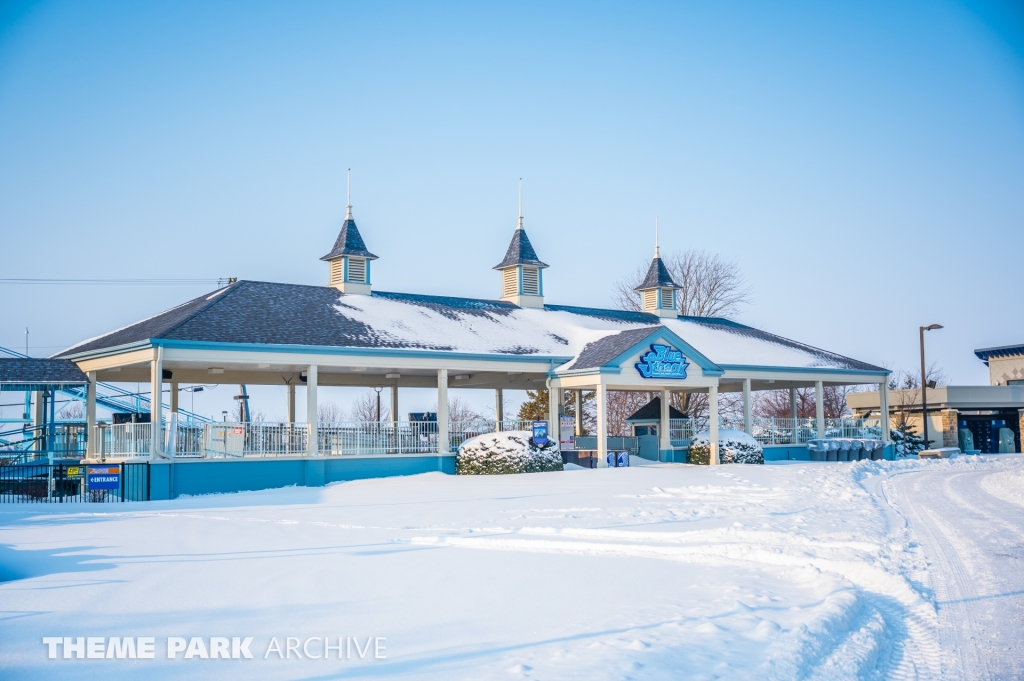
<point>74,483</point>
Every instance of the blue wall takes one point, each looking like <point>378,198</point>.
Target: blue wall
<point>204,476</point>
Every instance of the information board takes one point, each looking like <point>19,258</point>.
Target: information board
<point>540,433</point>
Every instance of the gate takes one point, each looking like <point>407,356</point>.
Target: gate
<point>74,483</point>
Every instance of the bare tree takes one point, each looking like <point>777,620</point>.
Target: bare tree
<point>620,406</point>
<point>72,412</point>
<point>710,285</point>
<point>461,416</point>
<point>329,412</point>
<point>906,393</point>
<point>775,403</point>
<point>364,408</point>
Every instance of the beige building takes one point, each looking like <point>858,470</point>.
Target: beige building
<point>984,410</point>
<point>1005,364</point>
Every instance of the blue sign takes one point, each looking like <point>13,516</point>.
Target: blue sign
<point>104,477</point>
<point>540,433</point>
<point>663,361</point>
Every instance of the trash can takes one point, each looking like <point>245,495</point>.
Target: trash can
<point>877,450</point>
<point>814,451</point>
<point>832,451</point>
<point>843,453</point>
<point>856,450</point>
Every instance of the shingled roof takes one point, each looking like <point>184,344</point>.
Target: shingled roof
<point>657,276</point>
<point>264,313</point>
<point>349,243</point>
<point>652,412</point>
<point>39,374</point>
<point>520,252</point>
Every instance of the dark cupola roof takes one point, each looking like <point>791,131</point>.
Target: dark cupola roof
<point>349,242</point>
<point>657,276</point>
<point>520,251</point>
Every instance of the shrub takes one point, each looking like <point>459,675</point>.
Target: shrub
<point>506,452</point>
<point>734,446</point>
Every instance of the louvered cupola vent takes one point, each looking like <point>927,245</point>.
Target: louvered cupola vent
<point>522,275</point>
<point>349,260</point>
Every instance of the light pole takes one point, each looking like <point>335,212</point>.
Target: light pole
<point>924,384</point>
<point>378,403</point>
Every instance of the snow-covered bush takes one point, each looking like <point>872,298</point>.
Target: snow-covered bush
<point>506,452</point>
<point>907,443</point>
<point>734,446</point>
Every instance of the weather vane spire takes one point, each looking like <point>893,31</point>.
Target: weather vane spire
<point>520,225</point>
<point>656,253</point>
<point>348,208</point>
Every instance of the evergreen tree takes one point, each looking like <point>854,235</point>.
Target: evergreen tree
<point>535,408</point>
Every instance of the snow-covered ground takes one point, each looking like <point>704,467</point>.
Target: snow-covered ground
<point>864,570</point>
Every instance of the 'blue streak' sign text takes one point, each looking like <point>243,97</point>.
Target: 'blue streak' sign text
<point>663,361</point>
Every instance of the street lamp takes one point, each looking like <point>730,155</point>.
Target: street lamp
<point>924,384</point>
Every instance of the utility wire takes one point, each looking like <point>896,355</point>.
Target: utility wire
<point>133,282</point>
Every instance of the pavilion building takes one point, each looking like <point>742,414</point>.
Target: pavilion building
<point>347,333</point>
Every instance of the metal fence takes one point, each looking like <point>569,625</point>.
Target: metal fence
<point>63,483</point>
<point>779,431</point>
<point>32,443</point>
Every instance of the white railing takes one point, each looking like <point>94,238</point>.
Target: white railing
<point>237,440</point>
<point>780,431</point>
<point>122,441</point>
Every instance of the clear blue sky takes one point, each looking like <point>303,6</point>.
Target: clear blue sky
<point>862,162</point>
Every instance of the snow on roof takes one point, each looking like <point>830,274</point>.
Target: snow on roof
<point>255,312</point>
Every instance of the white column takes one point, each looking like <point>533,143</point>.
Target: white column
<point>883,404</point>
<point>174,398</point>
<point>794,414</point>
<point>602,425</point>
<point>156,403</point>
<point>579,412</point>
<point>90,416</point>
<point>312,413</point>
<point>553,412</point>
<point>442,411</point>
<point>819,407</point>
<point>748,416</point>
<point>713,423</point>
<point>394,404</point>
<point>291,403</point>
<point>499,408</point>
<point>665,442</point>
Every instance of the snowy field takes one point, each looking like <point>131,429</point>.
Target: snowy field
<point>833,571</point>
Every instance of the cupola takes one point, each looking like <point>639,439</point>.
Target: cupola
<point>522,277</point>
<point>658,290</point>
<point>349,260</point>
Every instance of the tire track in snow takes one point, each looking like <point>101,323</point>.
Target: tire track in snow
<point>974,543</point>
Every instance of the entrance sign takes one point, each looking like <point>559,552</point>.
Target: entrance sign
<point>662,361</point>
<point>104,477</point>
<point>540,433</point>
<point>567,432</point>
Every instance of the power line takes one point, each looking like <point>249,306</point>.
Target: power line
<point>115,282</point>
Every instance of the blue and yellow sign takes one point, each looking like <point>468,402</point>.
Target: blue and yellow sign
<point>662,361</point>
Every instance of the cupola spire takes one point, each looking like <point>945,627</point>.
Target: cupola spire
<point>658,289</point>
<point>522,278</point>
<point>349,260</point>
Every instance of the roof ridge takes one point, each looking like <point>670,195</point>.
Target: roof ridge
<point>211,300</point>
<point>803,346</point>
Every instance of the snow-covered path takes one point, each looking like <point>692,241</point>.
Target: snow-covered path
<point>870,570</point>
<point>972,533</point>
